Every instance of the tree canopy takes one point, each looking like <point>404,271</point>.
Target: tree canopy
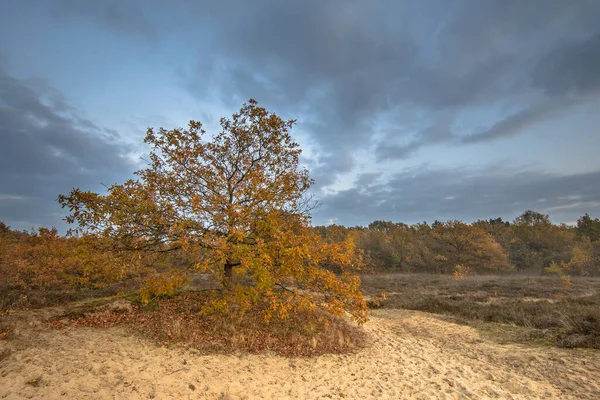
<point>237,203</point>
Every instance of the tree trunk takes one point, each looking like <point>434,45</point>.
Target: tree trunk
<point>228,270</point>
<point>229,264</point>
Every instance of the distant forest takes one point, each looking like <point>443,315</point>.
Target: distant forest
<point>529,244</point>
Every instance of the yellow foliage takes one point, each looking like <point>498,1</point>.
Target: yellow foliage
<point>578,264</point>
<point>164,285</point>
<point>555,268</point>
<point>462,272</point>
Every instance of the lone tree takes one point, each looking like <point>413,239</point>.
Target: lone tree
<point>237,205</point>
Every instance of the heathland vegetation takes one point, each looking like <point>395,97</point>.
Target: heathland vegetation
<point>541,278</point>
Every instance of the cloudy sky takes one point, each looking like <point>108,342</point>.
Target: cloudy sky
<point>407,110</point>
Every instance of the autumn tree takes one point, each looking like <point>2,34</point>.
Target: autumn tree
<point>389,245</point>
<point>498,229</point>
<point>588,227</point>
<point>536,242</point>
<point>457,243</point>
<point>333,233</point>
<point>337,234</point>
<point>237,203</point>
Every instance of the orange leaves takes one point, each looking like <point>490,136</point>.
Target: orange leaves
<point>45,259</point>
<point>164,285</point>
<point>567,283</point>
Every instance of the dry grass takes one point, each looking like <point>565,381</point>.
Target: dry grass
<point>523,309</point>
<point>17,298</point>
<point>508,309</point>
<point>177,321</point>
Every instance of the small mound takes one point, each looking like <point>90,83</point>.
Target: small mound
<point>177,321</point>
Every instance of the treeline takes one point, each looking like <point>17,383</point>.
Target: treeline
<point>529,244</point>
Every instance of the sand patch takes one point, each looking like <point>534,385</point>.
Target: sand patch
<point>412,356</point>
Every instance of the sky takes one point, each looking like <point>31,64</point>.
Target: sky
<point>406,110</point>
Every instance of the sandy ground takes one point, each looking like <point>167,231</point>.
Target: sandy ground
<point>412,356</point>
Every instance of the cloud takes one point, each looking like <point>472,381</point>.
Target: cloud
<point>462,193</point>
<point>47,149</point>
<point>518,122</point>
<point>5,197</point>
<point>124,17</point>
<point>337,62</point>
<point>578,205</point>
<point>567,75</point>
<point>571,68</point>
<point>438,132</point>
<point>350,70</point>
<point>382,83</point>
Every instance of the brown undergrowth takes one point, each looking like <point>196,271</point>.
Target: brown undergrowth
<point>518,309</point>
<point>178,321</point>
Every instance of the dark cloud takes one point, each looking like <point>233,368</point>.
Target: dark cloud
<point>325,171</point>
<point>125,17</point>
<point>479,30</point>
<point>427,194</point>
<point>438,132</point>
<point>367,180</point>
<point>567,75</point>
<point>570,69</point>
<point>46,149</point>
<point>338,62</point>
<point>518,122</point>
<point>394,152</point>
<point>351,66</point>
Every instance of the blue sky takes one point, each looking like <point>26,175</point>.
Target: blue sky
<point>407,110</point>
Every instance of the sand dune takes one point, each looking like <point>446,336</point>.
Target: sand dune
<point>412,356</point>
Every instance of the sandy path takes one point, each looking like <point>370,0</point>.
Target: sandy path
<point>413,356</point>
